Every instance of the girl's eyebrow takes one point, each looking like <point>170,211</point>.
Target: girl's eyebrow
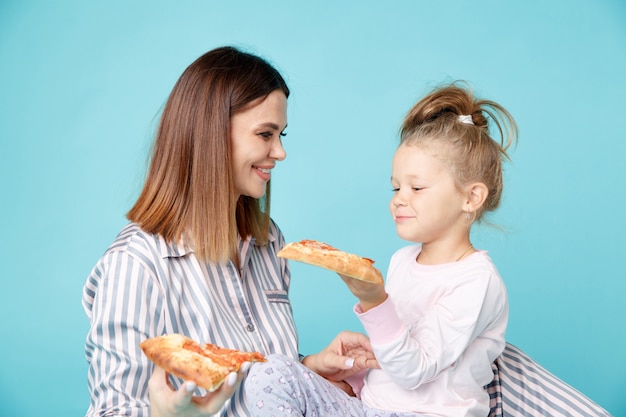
<point>411,177</point>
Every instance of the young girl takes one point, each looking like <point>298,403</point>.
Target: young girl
<point>440,320</point>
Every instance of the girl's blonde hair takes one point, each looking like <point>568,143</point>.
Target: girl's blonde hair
<point>189,190</point>
<point>455,124</point>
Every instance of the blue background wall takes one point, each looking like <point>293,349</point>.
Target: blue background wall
<point>81,83</point>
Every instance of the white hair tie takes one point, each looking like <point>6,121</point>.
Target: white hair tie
<point>466,119</point>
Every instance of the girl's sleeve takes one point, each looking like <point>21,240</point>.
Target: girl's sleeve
<point>415,355</point>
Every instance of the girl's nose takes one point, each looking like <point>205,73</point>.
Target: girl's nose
<point>397,200</point>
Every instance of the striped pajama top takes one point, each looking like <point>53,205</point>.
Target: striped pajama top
<point>144,286</point>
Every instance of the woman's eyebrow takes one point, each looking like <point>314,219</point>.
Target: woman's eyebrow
<point>271,125</point>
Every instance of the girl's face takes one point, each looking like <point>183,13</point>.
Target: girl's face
<point>426,205</point>
<point>256,143</point>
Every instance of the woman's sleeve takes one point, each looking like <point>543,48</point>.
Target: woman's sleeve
<point>124,305</point>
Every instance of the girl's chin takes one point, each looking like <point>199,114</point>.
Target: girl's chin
<point>407,236</point>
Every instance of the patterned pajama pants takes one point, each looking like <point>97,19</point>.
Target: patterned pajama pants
<point>284,387</point>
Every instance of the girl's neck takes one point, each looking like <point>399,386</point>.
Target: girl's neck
<point>435,255</point>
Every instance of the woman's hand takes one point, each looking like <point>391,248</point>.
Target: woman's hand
<point>369,294</point>
<point>348,354</point>
<point>167,402</point>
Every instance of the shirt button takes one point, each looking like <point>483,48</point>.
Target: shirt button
<point>250,327</point>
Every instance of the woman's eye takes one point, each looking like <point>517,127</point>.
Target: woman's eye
<point>269,135</point>
<point>395,189</point>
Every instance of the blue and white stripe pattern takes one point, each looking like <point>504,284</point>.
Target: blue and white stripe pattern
<point>523,388</point>
<point>144,286</point>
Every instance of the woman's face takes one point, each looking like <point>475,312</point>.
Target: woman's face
<point>256,143</point>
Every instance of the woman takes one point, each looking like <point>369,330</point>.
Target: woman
<point>199,254</point>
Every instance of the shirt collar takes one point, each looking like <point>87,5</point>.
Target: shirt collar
<point>182,248</point>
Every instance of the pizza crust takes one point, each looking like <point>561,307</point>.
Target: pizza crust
<point>320,254</point>
<point>206,365</point>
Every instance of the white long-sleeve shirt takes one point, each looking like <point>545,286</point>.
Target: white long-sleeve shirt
<point>144,286</point>
<point>436,336</point>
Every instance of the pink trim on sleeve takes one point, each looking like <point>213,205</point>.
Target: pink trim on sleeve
<point>357,381</point>
<point>381,323</point>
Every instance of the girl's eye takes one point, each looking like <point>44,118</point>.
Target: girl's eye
<point>395,189</point>
<point>283,134</point>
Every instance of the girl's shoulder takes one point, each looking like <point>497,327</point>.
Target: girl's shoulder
<point>481,260</point>
<point>410,251</point>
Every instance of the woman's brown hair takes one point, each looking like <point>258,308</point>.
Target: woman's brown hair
<point>189,189</point>
<point>451,116</point>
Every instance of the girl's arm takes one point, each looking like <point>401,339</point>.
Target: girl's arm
<point>415,353</point>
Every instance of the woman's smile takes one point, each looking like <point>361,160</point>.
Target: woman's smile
<point>264,173</point>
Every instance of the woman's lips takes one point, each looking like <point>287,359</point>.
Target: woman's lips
<point>264,173</point>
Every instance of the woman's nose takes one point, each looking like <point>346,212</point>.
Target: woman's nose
<point>278,151</point>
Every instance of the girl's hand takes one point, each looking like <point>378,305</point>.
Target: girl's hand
<point>167,402</point>
<point>369,294</point>
<point>348,354</point>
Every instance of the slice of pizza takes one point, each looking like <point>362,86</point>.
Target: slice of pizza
<point>321,254</point>
<point>207,365</point>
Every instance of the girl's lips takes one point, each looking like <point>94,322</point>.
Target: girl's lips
<point>403,219</point>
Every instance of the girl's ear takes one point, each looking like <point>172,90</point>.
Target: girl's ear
<point>476,196</point>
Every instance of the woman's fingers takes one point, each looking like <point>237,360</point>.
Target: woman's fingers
<point>165,400</point>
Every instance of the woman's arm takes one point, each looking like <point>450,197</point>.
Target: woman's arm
<point>122,302</point>
<point>347,355</point>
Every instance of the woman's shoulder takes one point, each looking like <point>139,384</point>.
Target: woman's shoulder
<point>131,236</point>
<point>275,234</point>
<point>133,239</point>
